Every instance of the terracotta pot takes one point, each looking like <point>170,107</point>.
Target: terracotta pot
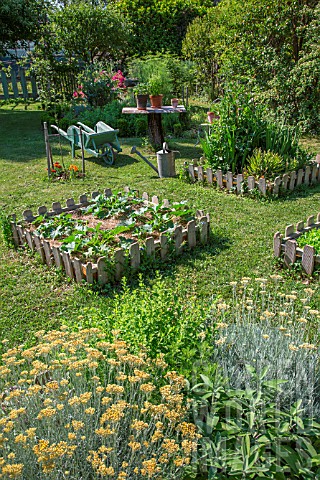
<point>156,101</point>
<point>174,102</point>
<point>212,116</point>
<point>142,100</point>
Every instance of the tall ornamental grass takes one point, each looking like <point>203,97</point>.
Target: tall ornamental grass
<point>75,406</point>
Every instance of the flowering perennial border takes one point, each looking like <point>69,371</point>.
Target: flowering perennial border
<point>239,184</point>
<point>287,245</point>
<point>197,231</point>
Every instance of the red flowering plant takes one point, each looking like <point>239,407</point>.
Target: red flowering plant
<point>79,95</point>
<point>98,86</point>
<point>61,172</point>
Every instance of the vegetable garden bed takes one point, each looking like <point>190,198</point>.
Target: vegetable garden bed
<point>241,184</point>
<point>102,238</point>
<point>288,245</point>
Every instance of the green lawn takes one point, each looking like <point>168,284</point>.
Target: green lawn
<point>32,296</point>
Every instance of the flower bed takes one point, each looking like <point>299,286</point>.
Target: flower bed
<point>288,246</point>
<point>241,184</point>
<point>98,239</point>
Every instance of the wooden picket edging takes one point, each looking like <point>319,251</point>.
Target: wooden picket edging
<point>239,183</point>
<point>19,84</point>
<point>197,232</point>
<point>287,245</point>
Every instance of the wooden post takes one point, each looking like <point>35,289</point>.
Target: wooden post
<point>191,229</point>
<point>163,246</point>
<point>178,239</point>
<point>119,259</point>
<point>251,182</point>
<point>150,247</point>
<point>155,128</point>
<point>82,151</point>
<point>134,252</point>
<point>200,174</point>
<point>277,244</point>
<point>308,259</point>
<point>102,271</point>
<point>290,252</point>
<point>219,178</point>
<point>229,178</point>
<point>48,149</point>
<point>191,172</point>
<point>209,175</point>
<point>203,225</point>
<point>239,182</point>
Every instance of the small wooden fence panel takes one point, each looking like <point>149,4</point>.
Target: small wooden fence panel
<point>287,247</point>
<point>17,84</point>
<point>195,233</point>
<point>310,175</point>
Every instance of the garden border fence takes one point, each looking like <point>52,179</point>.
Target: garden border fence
<point>18,84</point>
<point>287,245</point>
<point>197,232</point>
<point>310,175</point>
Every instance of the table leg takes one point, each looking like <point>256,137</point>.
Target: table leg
<point>155,128</point>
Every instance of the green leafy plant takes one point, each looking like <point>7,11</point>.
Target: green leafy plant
<point>265,164</point>
<point>155,85</point>
<point>310,238</point>
<point>246,435</point>
<point>6,231</point>
<point>131,214</point>
<point>141,89</point>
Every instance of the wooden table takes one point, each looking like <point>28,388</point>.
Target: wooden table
<point>155,119</point>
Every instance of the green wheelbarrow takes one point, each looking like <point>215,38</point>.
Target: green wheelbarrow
<point>101,142</point>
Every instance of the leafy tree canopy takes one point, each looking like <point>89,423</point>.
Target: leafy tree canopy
<point>88,31</point>
<point>20,21</point>
<point>265,44</point>
<point>160,25</point>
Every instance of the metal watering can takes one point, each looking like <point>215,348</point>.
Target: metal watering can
<point>166,162</point>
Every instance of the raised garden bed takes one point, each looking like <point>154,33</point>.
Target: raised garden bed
<point>286,246</point>
<point>241,184</point>
<point>102,238</point>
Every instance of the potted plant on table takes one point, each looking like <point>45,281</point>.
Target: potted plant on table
<point>141,93</point>
<point>155,87</point>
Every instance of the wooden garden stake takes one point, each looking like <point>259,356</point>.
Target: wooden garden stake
<point>82,151</point>
<point>48,149</point>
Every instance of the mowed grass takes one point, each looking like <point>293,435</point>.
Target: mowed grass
<point>33,297</point>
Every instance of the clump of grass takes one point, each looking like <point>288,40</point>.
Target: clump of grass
<point>76,406</point>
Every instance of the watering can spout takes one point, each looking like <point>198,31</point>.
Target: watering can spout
<point>134,150</point>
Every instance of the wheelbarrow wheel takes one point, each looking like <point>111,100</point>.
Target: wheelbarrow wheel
<point>108,155</point>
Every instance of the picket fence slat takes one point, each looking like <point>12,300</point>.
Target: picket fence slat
<point>14,84</point>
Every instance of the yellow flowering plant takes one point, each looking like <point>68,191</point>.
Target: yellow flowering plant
<point>77,406</point>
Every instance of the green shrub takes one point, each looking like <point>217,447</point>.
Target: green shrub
<point>164,319</point>
<point>246,435</point>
